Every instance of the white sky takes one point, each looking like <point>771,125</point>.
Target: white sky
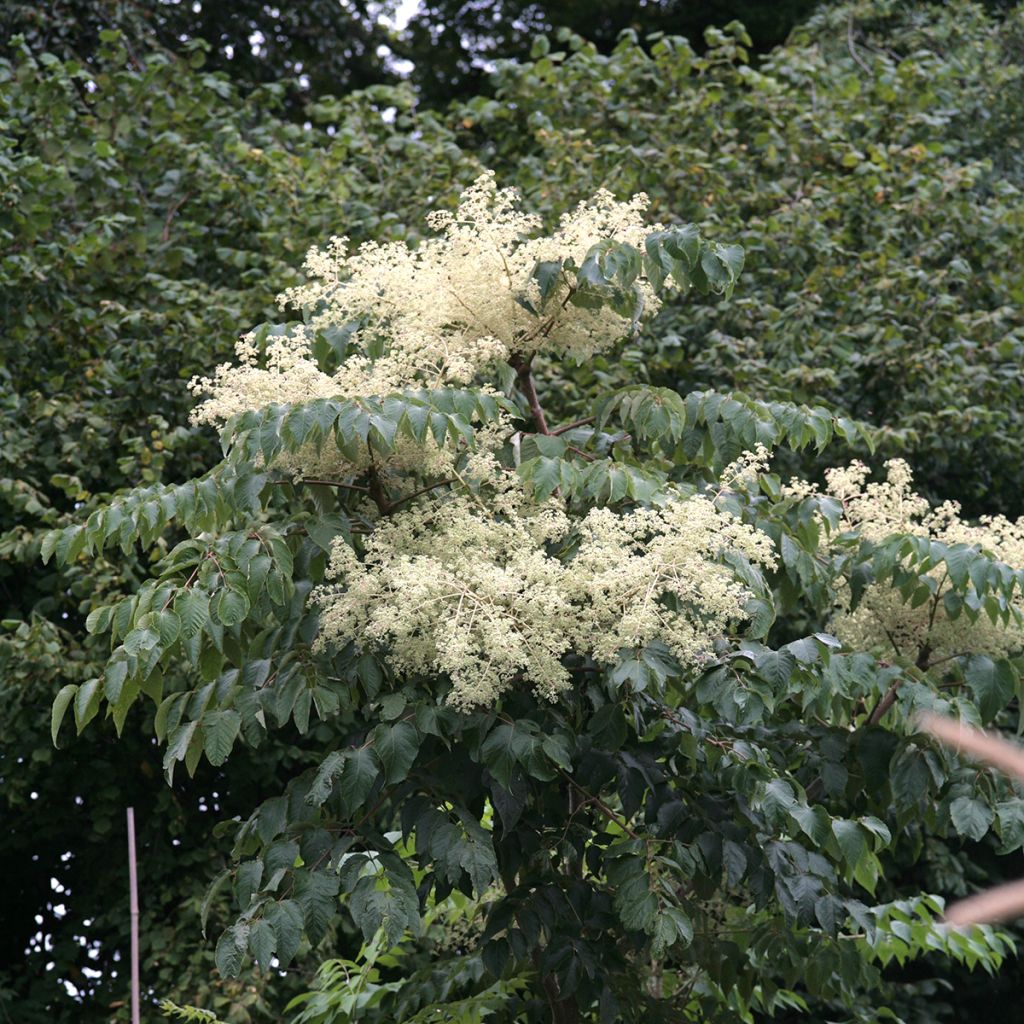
<point>405,10</point>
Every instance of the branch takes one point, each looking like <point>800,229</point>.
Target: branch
<point>423,490</point>
<point>572,426</point>
<point>884,703</point>
<point>165,235</point>
<point>378,491</point>
<point>526,382</point>
<point>939,661</point>
<point>333,483</point>
<point>600,805</point>
<point>852,47</point>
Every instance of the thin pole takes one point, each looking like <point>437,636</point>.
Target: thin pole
<point>133,890</point>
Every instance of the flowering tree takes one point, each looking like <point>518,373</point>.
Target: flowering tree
<point>593,720</point>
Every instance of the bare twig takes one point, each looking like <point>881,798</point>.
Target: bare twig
<point>565,428</point>
<point>423,490</point>
<point>581,453</point>
<point>334,483</point>
<point>851,46</point>
<point>948,657</point>
<point>188,583</point>
<point>600,805</point>
<point>165,235</point>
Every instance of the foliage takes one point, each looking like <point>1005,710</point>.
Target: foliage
<point>875,156</point>
<point>324,48</point>
<point>451,44</point>
<point>715,810</point>
<point>124,272</point>
<point>882,162</point>
<point>315,48</point>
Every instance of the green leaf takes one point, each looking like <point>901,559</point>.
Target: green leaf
<point>230,952</point>
<point>777,668</point>
<point>272,818</point>
<point>87,703</point>
<point>316,892</point>
<point>392,706</point>
<point>387,904</point>
<point>475,853</point>
<point>60,705</point>
<point>178,743</point>
<point>358,776</point>
<point>229,607</point>
<point>505,747</point>
<point>852,840</point>
<point>971,818</point>
<point>212,891</point>
<point>220,730</point>
<point>396,746</point>
<point>262,943</point>
<point>285,918</point>
<point>958,563</point>
<point>547,273</point>
<point>813,821</point>
<point>992,684</point>
<point>193,609</point>
<point>323,782</point>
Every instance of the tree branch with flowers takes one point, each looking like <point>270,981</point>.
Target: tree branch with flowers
<point>602,690</point>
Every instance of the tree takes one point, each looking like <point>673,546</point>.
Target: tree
<point>897,182</point>
<point>320,47</point>
<point>106,316</point>
<point>145,214</point>
<point>553,668</point>
<point>453,45</point>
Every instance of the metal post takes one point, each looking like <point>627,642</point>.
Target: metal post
<point>133,890</point>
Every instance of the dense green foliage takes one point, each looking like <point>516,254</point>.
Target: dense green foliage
<point>871,169</point>
<point>143,221</point>
<point>879,209</point>
<point>325,47</point>
<point>464,39</point>
<point>338,47</point>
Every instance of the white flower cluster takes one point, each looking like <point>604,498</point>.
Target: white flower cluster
<point>481,585</point>
<point>473,591</point>
<point>657,574</point>
<point>439,314</point>
<point>883,620</point>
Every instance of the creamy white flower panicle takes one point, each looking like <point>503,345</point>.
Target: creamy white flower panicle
<point>458,590</point>
<point>656,574</point>
<point>482,585</point>
<point>882,620</point>
<point>442,312</point>
<point>452,305</point>
<point>450,587</point>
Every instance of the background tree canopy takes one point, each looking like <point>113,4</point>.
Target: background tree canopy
<point>158,191</point>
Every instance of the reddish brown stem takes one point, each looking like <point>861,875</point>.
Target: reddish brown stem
<point>378,492</point>
<point>529,388</point>
<point>883,705</point>
<point>565,428</point>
